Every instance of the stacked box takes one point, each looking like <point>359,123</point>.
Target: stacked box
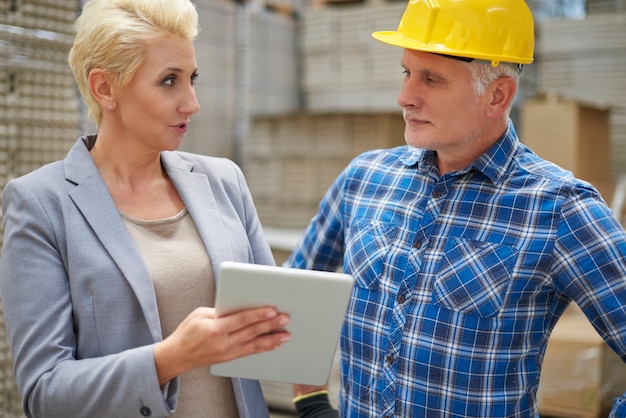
<point>584,61</point>
<point>570,133</point>
<point>574,135</point>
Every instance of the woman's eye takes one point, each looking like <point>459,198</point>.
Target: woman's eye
<point>194,77</point>
<point>169,81</point>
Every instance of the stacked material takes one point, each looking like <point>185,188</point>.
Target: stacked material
<point>247,64</point>
<point>39,112</point>
<point>344,68</point>
<point>605,6</point>
<point>291,161</point>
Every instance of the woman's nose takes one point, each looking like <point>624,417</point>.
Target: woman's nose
<point>190,105</point>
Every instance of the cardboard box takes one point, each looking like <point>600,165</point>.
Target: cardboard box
<point>581,375</point>
<point>606,189</point>
<point>572,134</point>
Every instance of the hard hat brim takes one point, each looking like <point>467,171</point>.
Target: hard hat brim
<point>395,38</point>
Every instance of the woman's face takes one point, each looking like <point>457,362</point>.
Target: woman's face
<point>154,110</point>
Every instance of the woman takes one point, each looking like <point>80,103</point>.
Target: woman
<point>107,269</point>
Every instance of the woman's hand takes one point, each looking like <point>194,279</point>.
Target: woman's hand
<point>203,339</point>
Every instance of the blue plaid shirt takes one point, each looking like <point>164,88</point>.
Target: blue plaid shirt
<point>461,278</point>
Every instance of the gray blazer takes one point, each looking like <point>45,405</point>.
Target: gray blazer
<point>79,303</point>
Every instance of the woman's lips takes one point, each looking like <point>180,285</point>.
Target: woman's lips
<point>181,128</point>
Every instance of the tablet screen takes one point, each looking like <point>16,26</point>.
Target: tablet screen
<point>316,302</point>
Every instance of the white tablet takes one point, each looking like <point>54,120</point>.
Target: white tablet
<point>316,302</point>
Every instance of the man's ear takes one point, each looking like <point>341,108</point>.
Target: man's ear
<point>502,92</point>
<point>101,87</point>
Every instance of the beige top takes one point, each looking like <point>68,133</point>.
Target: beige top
<point>183,280</point>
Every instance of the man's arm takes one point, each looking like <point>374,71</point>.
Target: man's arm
<point>313,402</point>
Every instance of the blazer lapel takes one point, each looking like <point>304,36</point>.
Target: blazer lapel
<point>93,200</point>
<point>195,190</point>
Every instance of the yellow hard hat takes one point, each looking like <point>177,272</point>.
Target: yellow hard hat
<point>492,30</point>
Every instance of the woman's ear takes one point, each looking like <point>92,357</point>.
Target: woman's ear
<point>101,87</point>
<point>502,92</point>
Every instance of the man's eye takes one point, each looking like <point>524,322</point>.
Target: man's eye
<point>431,79</point>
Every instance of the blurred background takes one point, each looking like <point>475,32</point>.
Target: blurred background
<point>293,89</point>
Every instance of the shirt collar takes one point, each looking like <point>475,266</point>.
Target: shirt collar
<point>493,163</point>
<point>413,156</point>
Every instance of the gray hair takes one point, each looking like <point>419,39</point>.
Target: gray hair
<point>484,73</point>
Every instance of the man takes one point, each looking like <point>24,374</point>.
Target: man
<point>465,245</point>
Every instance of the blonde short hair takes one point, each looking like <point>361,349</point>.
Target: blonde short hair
<point>112,34</point>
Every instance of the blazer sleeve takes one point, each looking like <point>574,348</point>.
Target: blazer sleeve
<point>37,305</point>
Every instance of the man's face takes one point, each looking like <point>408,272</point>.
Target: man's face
<point>441,110</point>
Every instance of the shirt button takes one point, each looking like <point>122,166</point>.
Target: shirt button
<point>439,191</point>
<point>417,244</point>
<point>145,411</point>
<point>390,359</point>
<point>401,299</point>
